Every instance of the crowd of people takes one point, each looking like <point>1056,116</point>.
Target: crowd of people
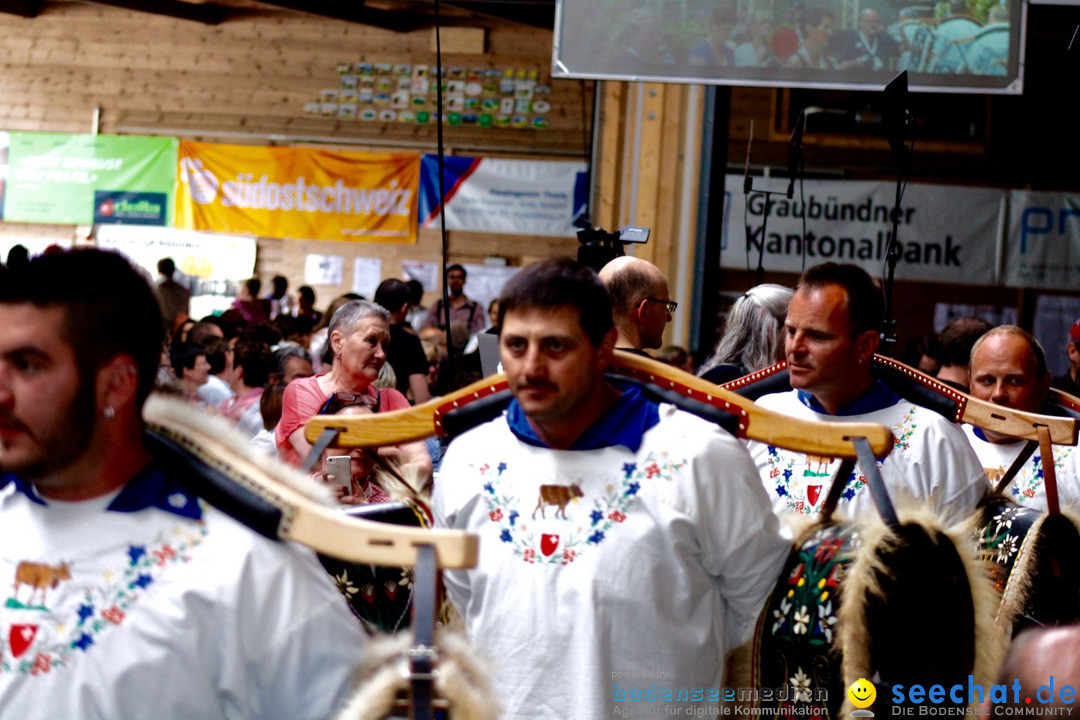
<point>620,537</point>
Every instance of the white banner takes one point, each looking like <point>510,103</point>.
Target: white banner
<point>520,197</point>
<point>1043,241</point>
<point>948,233</point>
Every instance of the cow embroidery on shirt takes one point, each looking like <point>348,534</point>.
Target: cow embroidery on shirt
<point>586,512</point>
<point>40,578</point>
<point>36,639</point>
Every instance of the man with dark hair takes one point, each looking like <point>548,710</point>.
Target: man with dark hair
<point>618,536</point>
<point>305,304</point>
<point>281,302</point>
<point>1008,368</point>
<point>417,311</point>
<point>640,302</point>
<point>174,298</point>
<point>956,340</point>
<point>116,570</point>
<point>1069,382</point>
<point>190,367</point>
<point>468,312</point>
<point>404,353</point>
<point>832,332</point>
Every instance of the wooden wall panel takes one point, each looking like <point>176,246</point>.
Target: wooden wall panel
<point>246,81</point>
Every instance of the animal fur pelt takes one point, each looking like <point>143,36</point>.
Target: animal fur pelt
<point>460,679</point>
<point>863,589</point>
<point>216,442</point>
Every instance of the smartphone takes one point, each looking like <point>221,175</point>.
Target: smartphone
<point>340,467</point>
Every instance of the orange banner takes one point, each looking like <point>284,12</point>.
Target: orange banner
<point>297,193</point>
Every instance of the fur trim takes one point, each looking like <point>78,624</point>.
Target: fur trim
<point>460,679</point>
<point>215,440</point>
<point>862,582</point>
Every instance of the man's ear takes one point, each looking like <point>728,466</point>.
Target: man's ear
<point>866,344</point>
<point>607,348</point>
<point>117,382</point>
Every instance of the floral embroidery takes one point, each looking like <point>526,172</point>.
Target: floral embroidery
<point>800,684</point>
<point>104,604</point>
<point>1000,537</point>
<point>345,585</point>
<point>592,525</point>
<point>803,481</point>
<point>1029,482</point>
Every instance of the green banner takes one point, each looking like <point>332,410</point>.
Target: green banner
<point>53,177</point>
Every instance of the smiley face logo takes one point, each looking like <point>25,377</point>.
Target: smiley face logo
<point>862,693</point>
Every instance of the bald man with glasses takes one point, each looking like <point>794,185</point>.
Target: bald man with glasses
<point>640,303</point>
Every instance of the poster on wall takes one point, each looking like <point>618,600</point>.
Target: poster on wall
<point>210,265</point>
<point>1042,245</point>
<point>82,179</point>
<point>300,193</point>
<point>517,197</point>
<point>948,233</point>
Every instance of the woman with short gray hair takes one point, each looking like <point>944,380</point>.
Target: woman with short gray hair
<point>358,334</point>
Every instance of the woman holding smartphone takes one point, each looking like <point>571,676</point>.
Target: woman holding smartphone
<point>358,332</point>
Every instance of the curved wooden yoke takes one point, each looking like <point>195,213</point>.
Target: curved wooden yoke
<point>754,423</point>
<point>925,390</point>
<point>267,497</point>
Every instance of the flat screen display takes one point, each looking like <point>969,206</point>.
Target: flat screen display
<point>946,46</point>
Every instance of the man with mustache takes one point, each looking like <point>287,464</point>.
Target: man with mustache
<point>831,334</point>
<point>625,544</point>
<point>130,597</point>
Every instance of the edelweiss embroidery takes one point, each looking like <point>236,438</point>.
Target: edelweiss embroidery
<point>803,480</point>
<point>580,520</point>
<point>45,638</point>
<point>1029,481</point>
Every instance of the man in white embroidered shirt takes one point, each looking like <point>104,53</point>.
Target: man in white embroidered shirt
<point>1008,368</point>
<point>832,332</point>
<point>126,597</point>
<point>625,545</point>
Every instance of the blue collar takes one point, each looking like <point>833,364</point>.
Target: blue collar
<point>624,423</point>
<point>149,488</point>
<point>978,432</point>
<point>878,397</point>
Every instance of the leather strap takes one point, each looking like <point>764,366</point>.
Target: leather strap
<point>1053,508</point>
<point>314,456</point>
<point>1029,448</point>
<point>837,488</point>
<point>875,482</point>
<point>422,654</point>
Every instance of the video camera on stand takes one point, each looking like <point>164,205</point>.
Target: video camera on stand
<point>599,247</point>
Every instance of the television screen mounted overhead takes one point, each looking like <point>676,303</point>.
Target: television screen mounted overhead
<point>947,46</point>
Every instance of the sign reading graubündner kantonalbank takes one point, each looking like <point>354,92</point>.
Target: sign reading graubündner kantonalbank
<point>948,233</point>
<point>1042,246</point>
<point>297,193</point>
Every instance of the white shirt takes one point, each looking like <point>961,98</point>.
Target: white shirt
<point>931,461</point>
<point>214,391</point>
<point>152,614</point>
<point>606,571</point>
<point>1027,486</point>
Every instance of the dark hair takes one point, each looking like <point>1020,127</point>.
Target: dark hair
<point>109,308</point>
<point>270,405</point>
<point>454,267</point>
<point>166,267</point>
<point>256,360</point>
<point>305,291</point>
<point>343,399</point>
<point>253,285</point>
<point>866,303</point>
<point>216,350</point>
<point>629,285</point>
<point>957,339</point>
<point>559,282</point>
<point>416,290</point>
<point>280,283</point>
<point>202,331</point>
<point>183,356</point>
<point>812,17</point>
<point>392,294</point>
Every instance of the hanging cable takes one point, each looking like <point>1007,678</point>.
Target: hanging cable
<point>441,163</point>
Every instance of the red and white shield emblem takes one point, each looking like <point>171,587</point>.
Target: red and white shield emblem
<point>21,638</point>
<point>548,543</point>
<point>813,493</point>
